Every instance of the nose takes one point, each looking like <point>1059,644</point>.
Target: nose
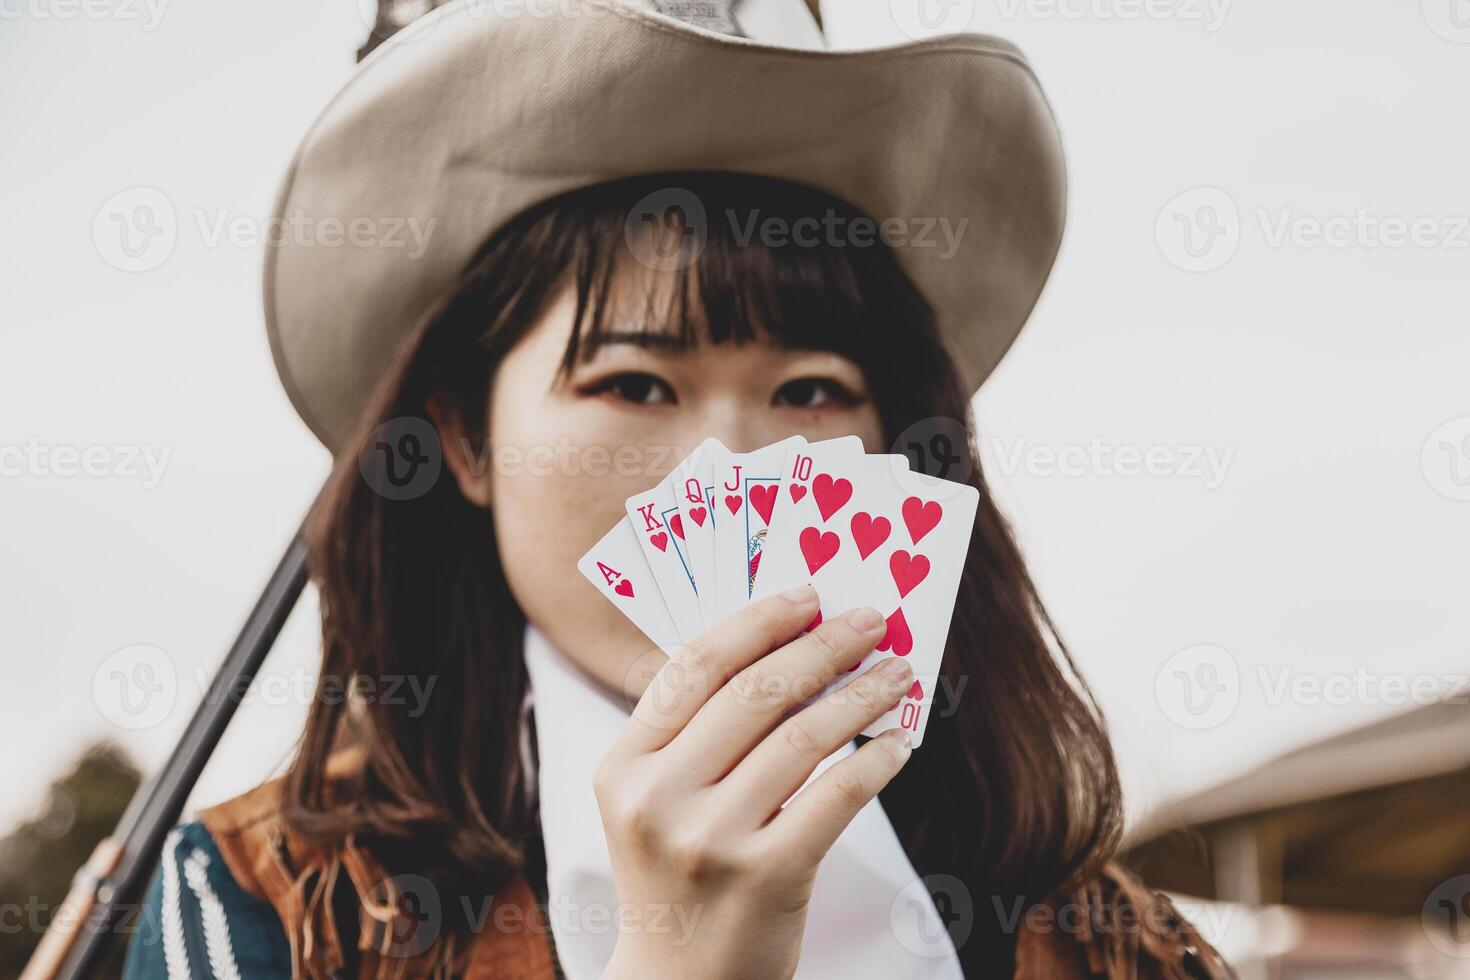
<point>739,423</point>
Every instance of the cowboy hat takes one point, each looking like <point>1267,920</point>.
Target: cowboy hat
<point>481,109</point>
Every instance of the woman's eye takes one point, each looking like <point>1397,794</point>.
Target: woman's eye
<point>813,393</point>
<point>637,389</point>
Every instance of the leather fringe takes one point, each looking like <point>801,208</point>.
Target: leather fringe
<point>1131,933</point>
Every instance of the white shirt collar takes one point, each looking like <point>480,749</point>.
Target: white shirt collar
<point>870,914</point>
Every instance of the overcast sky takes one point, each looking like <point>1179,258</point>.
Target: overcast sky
<point>1237,460</point>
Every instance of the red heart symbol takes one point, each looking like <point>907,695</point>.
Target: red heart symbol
<point>916,692</point>
<point>868,533</point>
<point>830,494</point>
<point>659,541</point>
<point>921,517</point>
<point>817,548</point>
<point>908,571</point>
<point>797,492</point>
<point>676,524</point>
<point>898,638</point>
<point>698,514</point>
<point>625,588</point>
<point>763,499</point>
<point>816,621</point>
<point>733,502</point>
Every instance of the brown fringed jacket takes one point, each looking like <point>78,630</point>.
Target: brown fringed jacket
<point>1113,928</point>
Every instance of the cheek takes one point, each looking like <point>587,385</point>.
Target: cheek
<point>559,478</point>
<point>557,484</point>
<point>865,423</point>
<point>861,421</point>
<point>547,508</point>
<point>538,495</point>
<point>540,523</point>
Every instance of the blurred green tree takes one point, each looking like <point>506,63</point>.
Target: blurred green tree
<point>38,858</point>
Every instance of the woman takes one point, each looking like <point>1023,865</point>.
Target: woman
<point>419,836</point>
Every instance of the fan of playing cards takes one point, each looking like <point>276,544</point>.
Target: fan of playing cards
<point>725,529</point>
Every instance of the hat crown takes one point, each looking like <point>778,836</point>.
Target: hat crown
<point>785,23</point>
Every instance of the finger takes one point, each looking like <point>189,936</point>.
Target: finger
<point>746,709</point>
<point>683,685</point>
<point>811,823</point>
<point>784,760</point>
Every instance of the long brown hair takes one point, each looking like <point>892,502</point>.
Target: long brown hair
<point>1014,793</point>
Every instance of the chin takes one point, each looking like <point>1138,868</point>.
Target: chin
<point>609,648</point>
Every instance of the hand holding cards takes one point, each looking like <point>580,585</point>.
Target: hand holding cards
<point>724,529</point>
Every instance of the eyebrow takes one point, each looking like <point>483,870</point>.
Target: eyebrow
<point>647,339</point>
<point>665,341</point>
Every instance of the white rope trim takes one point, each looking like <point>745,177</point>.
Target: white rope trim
<point>216,926</point>
<point>175,952</point>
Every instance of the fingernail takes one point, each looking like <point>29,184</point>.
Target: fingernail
<point>802,593</point>
<point>894,669</point>
<point>901,736</point>
<point>866,619</point>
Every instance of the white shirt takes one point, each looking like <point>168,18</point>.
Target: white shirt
<point>870,914</point>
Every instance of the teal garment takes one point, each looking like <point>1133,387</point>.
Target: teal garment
<point>198,924</point>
